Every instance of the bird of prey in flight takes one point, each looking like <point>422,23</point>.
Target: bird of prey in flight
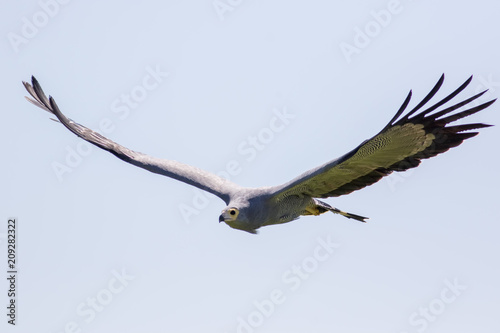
<point>407,139</point>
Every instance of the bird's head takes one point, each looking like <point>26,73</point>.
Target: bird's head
<point>236,218</point>
<point>229,214</point>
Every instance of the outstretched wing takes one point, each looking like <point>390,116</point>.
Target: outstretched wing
<point>191,175</point>
<point>401,145</point>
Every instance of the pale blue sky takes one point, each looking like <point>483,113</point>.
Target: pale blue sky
<point>261,91</point>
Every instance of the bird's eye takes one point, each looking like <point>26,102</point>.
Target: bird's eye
<point>232,212</point>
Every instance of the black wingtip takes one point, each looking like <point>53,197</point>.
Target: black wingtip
<point>402,108</point>
<point>35,84</point>
<point>466,113</point>
<point>427,98</point>
<point>34,81</point>
<point>55,110</point>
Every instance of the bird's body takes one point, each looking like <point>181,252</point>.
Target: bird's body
<point>401,145</point>
<point>269,210</point>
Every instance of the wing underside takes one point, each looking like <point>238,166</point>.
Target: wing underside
<point>401,145</point>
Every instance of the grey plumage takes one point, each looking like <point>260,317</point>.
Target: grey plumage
<point>402,144</point>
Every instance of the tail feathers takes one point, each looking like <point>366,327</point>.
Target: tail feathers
<point>350,215</point>
<point>326,207</point>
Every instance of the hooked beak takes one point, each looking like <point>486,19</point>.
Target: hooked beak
<point>221,219</point>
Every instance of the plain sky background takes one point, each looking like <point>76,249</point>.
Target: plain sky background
<point>229,73</point>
